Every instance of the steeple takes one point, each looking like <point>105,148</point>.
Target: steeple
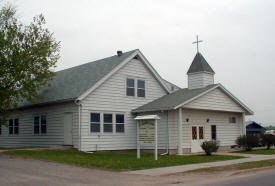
<point>199,64</point>
<point>200,74</point>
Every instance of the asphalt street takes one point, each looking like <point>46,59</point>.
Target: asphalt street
<point>266,178</point>
<point>21,172</point>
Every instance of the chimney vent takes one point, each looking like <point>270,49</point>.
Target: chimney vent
<point>119,52</point>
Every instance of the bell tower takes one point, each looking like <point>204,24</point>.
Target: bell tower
<point>200,74</point>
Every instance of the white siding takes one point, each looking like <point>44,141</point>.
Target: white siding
<point>111,97</point>
<point>199,80</point>
<point>227,132</point>
<point>55,134</point>
<point>215,100</point>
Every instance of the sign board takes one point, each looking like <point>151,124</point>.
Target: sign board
<point>147,132</point>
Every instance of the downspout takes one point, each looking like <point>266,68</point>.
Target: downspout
<point>77,102</point>
<point>167,146</point>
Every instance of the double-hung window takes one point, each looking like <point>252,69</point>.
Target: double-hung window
<point>14,126</point>
<point>43,125</point>
<point>95,122</point>
<point>232,120</point>
<point>119,123</point>
<point>135,87</point>
<point>141,88</point>
<point>130,87</point>
<point>40,124</point>
<point>108,123</point>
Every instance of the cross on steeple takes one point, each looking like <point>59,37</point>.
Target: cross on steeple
<point>197,42</point>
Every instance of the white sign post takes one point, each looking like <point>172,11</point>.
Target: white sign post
<point>147,132</point>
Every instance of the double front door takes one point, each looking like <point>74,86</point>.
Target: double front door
<point>198,136</point>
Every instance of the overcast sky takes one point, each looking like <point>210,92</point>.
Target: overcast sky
<point>238,39</point>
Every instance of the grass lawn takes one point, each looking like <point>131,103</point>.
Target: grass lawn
<point>240,166</point>
<point>259,151</point>
<point>115,160</point>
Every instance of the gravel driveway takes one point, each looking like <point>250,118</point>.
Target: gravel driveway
<point>19,171</point>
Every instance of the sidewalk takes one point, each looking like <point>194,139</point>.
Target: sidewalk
<point>189,167</point>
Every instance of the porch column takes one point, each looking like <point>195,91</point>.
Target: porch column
<point>244,126</point>
<point>180,131</point>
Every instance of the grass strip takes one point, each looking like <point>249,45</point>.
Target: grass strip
<point>239,166</point>
<point>258,151</point>
<point>115,160</point>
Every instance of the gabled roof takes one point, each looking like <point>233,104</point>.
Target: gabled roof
<point>170,101</point>
<point>171,86</point>
<point>253,126</point>
<point>181,97</point>
<point>77,82</point>
<point>199,64</point>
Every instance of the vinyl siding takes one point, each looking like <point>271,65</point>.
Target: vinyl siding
<point>55,133</point>
<point>111,97</point>
<point>199,80</point>
<point>227,132</point>
<point>215,100</point>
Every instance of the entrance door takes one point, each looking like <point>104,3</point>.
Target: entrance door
<point>197,138</point>
<point>68,132</point>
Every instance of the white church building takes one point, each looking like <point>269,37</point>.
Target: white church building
<point>92,107</point>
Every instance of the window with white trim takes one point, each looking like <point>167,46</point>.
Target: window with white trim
<point>108,122</point>
<point>119,123</point>
<point>40,124</point>
<point>232,119</point>
<point>95,122</point>
<point>14,126</point>
<point>141,88</point>
<point>130,87</point>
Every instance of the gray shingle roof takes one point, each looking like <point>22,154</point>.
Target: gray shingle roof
<point>171,86</point>
<point>70,83</point>
<point>172,100</point>
<point>199,64</point>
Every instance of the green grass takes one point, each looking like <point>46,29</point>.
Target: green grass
<point>259,151</point>
<point>240,166</point>
<point>115,160</point>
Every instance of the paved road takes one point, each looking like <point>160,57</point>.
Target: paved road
<point>19,171</point>
<point>266,178</point>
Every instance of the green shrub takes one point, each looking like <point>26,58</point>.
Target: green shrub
<point>247,142</point>
<point>209,147</point>
<point>268,140</point>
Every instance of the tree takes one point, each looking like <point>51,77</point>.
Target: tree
<point>28,54</point>
<point>270,127</point>
<point>268,140</point>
